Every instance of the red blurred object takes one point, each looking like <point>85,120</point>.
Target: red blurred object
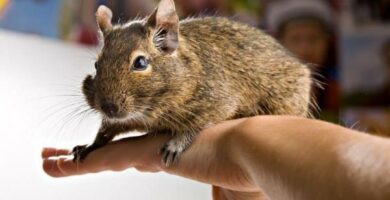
<point>87,36</point>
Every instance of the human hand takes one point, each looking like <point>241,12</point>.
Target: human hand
<point>210,159</point>
<point>285,156</point>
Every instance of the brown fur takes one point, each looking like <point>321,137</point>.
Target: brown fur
<point>220,70</point>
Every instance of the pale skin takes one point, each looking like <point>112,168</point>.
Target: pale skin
<point>266,157</point>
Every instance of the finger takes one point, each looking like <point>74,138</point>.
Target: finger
<point>53,152</point>
<point>141,152</point>
<point>110,157</point>
<point>51,168</point>
<point>62,167</point>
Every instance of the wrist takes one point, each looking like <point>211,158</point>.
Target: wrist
<point>257,145</point>
<point>230,145</point>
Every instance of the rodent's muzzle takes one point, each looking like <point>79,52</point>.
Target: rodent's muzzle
<point>110,109</point>
<point>96,101</point>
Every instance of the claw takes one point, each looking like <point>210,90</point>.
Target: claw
<point>170,154</point>
<point>80,152</point>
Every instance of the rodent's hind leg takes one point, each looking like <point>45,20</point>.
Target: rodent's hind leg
<point>103,137</point>
<point>172,150</point>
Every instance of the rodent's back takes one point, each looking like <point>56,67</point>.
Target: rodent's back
<point>248,67</point>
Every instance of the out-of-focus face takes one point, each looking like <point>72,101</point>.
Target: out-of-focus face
<point>306,39</point>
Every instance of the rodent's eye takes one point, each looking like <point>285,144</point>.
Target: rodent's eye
<point>140,63</point>
<point>96,65</point>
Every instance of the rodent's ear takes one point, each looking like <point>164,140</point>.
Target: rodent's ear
<point>165,21</point>
<point>103,18</point>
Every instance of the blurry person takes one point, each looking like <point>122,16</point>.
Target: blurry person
<point>130,9</point>
<point>247,11</point>
<point>305,28</point>
<point>202,7</point>
<point>242,11</point>
<point>78,21</point>
<point>85,28</point>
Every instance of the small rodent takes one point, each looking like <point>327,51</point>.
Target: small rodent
<point>162,75</point>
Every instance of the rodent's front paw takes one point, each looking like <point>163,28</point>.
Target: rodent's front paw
<point>80,152</point>
<point>171,152</point>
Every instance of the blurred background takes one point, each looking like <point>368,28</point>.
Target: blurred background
<point>347,42</point>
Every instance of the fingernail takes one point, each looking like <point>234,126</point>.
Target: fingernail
<point>51,168</point>
<point>45,152</point>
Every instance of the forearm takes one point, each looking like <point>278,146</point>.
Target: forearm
<point>294,158</point>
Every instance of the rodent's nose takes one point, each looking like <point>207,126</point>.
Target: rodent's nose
<point>110,109</point>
